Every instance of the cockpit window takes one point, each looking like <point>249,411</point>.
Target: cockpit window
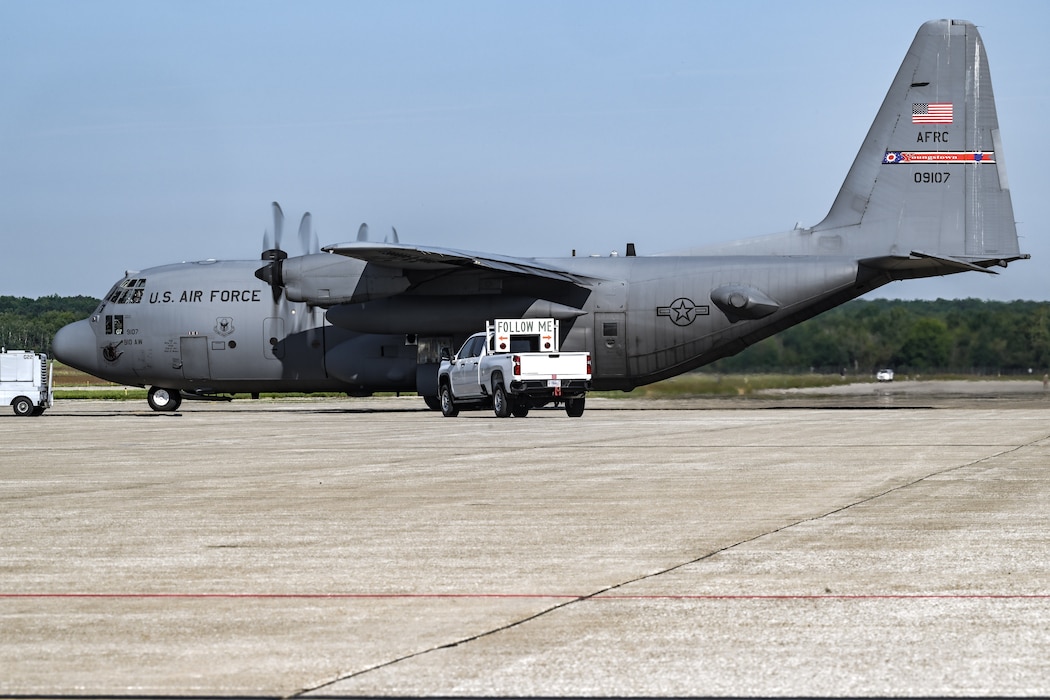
<point>128,291</point>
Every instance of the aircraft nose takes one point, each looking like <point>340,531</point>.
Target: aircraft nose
<point>75,345</point>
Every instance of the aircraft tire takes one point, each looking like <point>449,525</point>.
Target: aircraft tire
<point>432,402</point>
<point>39,410</point>
<point>500,403</point>
<point>520,409</point>
<point>448,403</point>
<point>161,399</point>
<point>22,406</point>
<point>574,407</point>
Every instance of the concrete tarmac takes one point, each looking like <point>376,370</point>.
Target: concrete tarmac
<point>782,546</point>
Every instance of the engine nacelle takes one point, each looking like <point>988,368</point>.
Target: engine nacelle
<point>323,279</point>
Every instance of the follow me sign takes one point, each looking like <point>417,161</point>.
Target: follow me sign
<point>524,325</point>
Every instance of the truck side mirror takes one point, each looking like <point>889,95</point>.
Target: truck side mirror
<point>446,355</point>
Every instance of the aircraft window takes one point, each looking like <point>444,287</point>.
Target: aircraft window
<point>114,325</point>
<point>128,291</point>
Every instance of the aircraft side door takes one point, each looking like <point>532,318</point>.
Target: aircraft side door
<point>610,346</point>
<point>194,350</point>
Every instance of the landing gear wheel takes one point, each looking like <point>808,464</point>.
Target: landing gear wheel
<point>500,404</point>
<point>39,410</point>
<point>161,399</point>
<point>521,409</point>
<point>432,402</point>
<point>448,404</point>
<point>22,406</point>
<point>574,407</point>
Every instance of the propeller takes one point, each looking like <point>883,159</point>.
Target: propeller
<point>307,238</point>
<point>272,244</point>
<point>299,316</point>
<point>272,251</point>
<point>362,235</point>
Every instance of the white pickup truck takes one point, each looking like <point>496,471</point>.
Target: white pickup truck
<point>513,366</point>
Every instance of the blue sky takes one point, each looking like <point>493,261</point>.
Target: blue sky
<point>142,133</point>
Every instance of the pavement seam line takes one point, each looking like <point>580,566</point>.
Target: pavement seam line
<point>655,574</point>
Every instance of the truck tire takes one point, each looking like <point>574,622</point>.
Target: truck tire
<point>574,407</point>
<point>448,403</point>
<point>500,403</point>
<point>22,406</point>
<point>161,399</point>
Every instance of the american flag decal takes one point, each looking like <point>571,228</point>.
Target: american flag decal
<point>931,113</point>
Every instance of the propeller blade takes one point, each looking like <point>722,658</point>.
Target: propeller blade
<point>393,238</point>
<point>362,233</point>
<point>278,225</point>
<point>306,237</point>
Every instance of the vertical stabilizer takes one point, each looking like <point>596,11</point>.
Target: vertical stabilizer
<point>928,189</point>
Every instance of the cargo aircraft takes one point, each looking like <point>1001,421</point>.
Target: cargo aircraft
<point>927,195</point>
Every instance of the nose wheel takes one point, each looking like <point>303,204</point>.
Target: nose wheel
<point>161,399</point>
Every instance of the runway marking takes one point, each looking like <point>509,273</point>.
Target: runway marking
<point>528,596</point>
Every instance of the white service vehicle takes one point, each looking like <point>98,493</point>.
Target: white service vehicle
<point>25,382</point>
<point>513,366</point>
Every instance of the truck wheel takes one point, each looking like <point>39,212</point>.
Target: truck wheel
<point>521,409</point>
<point>574,407</point>
<point>448,405</point>
<point>500,404</point>
<point>22,406</point>
<point>160,399</point>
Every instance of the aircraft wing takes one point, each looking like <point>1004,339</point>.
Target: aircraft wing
<point>424,258</point>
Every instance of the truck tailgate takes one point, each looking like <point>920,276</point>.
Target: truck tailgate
<point>564,365</point>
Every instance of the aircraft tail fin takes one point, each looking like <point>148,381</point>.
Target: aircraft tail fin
<point>927,193</point>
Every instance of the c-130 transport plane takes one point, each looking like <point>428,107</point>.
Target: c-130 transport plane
<point>926,195</point>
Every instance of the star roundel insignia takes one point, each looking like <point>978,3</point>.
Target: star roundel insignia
<point>682,311</point>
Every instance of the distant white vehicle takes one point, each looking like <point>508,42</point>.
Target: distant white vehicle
<point>884,375</point>
<point>25,382</point>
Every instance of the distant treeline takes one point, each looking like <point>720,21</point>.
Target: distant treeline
<point>965,336</point>
<point>30,324</point>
